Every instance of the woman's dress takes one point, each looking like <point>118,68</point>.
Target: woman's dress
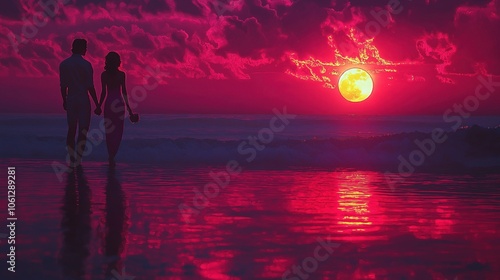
<point>114,113</point>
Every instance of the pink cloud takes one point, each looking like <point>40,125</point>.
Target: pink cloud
<point>193,40</point>
<point>438,49</point>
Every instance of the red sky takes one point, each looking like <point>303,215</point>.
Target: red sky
<point>249,56</point>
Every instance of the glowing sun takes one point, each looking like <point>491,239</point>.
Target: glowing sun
<point>355,85</point>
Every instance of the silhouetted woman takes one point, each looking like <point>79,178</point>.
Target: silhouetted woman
<point>113,85</point>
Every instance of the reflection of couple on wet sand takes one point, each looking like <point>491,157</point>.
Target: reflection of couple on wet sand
<point>76,226</point>
<point>76,77</point>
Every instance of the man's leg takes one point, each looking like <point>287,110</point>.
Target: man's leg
<point>70,137</point>
<point>83,128</point>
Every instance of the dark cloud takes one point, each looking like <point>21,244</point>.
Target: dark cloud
<point>255,29</point>
<point>180,37</point>
<point>134,6</point>
<point>11,9</point>
<point>37,50</point>
<point>244,37</point>
<point>10,62</point>
<point>113,35</point>
<point>43,67</point>
<point>141,39</point>
<point>433,15</point>
<point>183,40</point>
<point>173,54</point>
<point>266,16</point>
<point>83,3</point>
<point>188,7</point>
<point>476,36</point>
<point>302,26</point>
<point>397,43</point>
<point>156,6</point>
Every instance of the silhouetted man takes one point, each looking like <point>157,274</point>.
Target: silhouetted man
<point>76,75</point>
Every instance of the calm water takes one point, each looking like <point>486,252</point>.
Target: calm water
<point>97,224</point>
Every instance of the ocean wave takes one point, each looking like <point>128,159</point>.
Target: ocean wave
<point>470,147</point>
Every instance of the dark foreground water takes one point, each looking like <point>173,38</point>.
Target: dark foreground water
<point>265,224</point>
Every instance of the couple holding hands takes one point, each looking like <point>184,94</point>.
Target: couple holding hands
<point>76,80</point>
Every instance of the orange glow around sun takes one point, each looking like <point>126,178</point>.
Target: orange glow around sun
<point>360,50</point>
<point>355,85</point>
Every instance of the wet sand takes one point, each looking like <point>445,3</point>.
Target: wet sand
<point>265,224</point>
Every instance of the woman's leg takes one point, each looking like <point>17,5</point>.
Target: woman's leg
<point>114,131</point>
<point>115,139</point>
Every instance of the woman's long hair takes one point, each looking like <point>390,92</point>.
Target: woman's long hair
<point>112,62</point>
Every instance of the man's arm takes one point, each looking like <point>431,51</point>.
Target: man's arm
<point>93,94</point>
<point>64,84</point>
<point>90,86</point>
<point>64,93</point>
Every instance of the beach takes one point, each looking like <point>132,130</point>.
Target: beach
<point>173,209</point>
<point>249,140</point>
